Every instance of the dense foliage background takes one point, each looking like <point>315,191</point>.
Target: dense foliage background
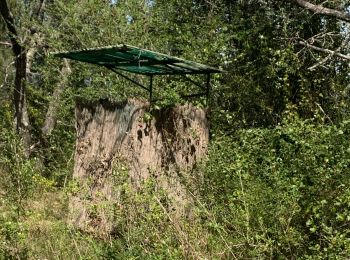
<point>276,180</point>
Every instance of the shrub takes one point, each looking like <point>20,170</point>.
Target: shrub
<point>282,192</point>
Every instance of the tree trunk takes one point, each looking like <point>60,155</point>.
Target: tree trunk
<point>165,148</point>
<point>20,101</point>
<point>19,94</point>
<point>50,119</point>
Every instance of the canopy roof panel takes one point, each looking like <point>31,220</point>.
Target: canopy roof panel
<point>136,60</point>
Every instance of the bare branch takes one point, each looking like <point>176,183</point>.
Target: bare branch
<point>316,48</point>
<point>38,8</point>
<point>323,61</point>
<point>324,113</point>
<point>6,74</point>
<point>6,44</point>
<point>319,9</point>
<point>41,7</point>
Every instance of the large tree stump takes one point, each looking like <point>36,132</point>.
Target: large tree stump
<point>166,145</point>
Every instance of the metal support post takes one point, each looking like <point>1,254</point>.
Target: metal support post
<point>208,87</point>
<point>150,88</point>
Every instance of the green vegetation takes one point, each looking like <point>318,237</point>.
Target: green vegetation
<point>276,183</point>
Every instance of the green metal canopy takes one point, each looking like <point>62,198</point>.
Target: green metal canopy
<point>131,59</point>
<point>137,60</point>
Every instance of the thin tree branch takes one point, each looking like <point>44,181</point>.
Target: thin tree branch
<point>323,61</point>
<point>6,44</point>
<point>6,74</point>
<point>40,8</point>
<point>37,9</point>
<point>324,113</point>
<point>334,53</point>
<point>319,9</point>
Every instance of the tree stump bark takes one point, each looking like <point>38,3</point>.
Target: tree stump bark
<point>164,146</point>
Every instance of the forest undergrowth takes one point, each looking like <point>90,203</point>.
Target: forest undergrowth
<point>264,193</point>
<point>275,183</point>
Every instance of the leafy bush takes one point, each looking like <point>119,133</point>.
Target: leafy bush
<point>282,192</point>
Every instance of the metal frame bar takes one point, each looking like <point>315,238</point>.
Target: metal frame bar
<point>150,88</point>
<point>130,79</point>
<point>194,95</point>
<point>208,86</point>
<point>193,82</point>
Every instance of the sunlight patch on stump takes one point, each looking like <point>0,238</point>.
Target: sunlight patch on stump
<point>165,147</point>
